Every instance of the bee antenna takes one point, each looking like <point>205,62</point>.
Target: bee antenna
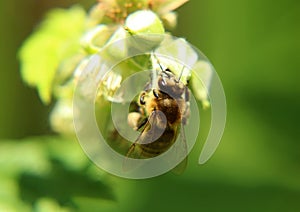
<point>180,74</point>
<point>158,62</point>
<point>159,66</point>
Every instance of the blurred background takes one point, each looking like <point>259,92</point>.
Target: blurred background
<point>254,46</point>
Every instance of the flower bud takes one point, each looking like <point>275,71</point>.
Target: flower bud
<point>146,27</point>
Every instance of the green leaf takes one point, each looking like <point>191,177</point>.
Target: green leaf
<point>18,157</point>
<point>56,39</point>
<point>50,174</point>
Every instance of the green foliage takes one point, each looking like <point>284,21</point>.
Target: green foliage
<point>53,57</point>
<point>55,40</point>
<point>46,177</point>
<point>49,55</point>
<point>254,46</point>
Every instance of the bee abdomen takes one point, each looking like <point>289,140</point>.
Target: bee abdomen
<point>161,145</point>
<point>171,110</point>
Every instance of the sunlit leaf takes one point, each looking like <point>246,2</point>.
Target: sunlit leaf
<point>56,39</point>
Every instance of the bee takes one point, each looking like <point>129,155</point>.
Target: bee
<point>162,111</point>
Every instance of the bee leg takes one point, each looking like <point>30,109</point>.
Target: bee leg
<point>131,149</point>
<point>133,120</point>
<point>181,152</point>
<point>186,113</point>
<point>142,124</point>
<point>136,121</point>
<point>185,117</point>
<point>135,153</point>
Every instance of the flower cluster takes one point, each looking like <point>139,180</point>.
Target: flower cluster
<point>54,56</point>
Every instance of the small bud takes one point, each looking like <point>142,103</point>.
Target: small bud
<point>146,27</point>
<point>62,117</point>
<point>116,46</point>
<point>96,38</point>
<point>169,20</point>
<point>200,81</point>
<point>144,21</point>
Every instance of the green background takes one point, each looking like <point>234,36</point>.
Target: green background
<point>254,46</point>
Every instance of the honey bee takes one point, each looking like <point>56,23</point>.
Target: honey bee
<point>162,111</point>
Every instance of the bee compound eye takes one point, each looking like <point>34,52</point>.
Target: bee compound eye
<point>142,99</point>
<point>162,83</point>
<point>155,94</point>
<point>168,71</point>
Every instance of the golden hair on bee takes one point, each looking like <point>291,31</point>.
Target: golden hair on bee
<point>163,109</point>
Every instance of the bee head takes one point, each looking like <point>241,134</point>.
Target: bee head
<point>170,86</point>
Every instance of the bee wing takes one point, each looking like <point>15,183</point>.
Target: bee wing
<point>181,151</point>
<point>135,151</point>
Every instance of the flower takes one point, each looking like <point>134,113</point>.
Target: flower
<point>117,11</point>
<point>188,63</point>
